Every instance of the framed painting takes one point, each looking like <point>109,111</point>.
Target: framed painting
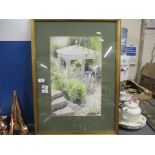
<point>75,69</point>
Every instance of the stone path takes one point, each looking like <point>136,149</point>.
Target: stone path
<point>56,94</point>
<point>91,106</point>
<point>67,111</point>
<point>59,105</point>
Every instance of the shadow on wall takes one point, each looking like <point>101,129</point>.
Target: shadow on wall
<point>15,74</point>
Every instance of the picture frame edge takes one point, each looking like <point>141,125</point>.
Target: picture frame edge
<point>117,78</point>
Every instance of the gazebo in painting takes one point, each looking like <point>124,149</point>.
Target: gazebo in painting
<point>75,52</point>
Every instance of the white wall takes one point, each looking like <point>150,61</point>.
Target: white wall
<point>149,43</point>
<point>134,28</point>
<point>15,30</point>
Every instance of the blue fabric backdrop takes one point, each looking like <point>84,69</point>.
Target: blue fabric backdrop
<point>15,74</point>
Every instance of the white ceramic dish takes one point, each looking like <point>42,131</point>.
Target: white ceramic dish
<point>125,98</point>
<point>133,126</point>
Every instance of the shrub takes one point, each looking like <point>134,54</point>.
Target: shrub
<point>75,90</point>
<point>57,81</point>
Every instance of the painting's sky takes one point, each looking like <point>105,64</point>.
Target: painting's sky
<point>59,40</point>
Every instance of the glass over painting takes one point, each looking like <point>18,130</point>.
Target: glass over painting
<point>76,74</point>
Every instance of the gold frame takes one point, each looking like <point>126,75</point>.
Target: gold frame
<point>117,77</point>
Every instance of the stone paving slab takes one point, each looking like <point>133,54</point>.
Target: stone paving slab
<point>67,111</point>
<point>56,94</point>
<point>58,103</point>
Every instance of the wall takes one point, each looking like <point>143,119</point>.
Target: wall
<point>134,28</point>
<point>149,43</point>
<point>15,66</point>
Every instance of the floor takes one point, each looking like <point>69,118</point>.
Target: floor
<point>144,131</point>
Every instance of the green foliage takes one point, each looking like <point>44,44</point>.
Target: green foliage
<point>88,42</point>
<point>96,43</point>
<point>53,65</point>
<point>78,63</point>
<point>75,65</point>
<point>73,89</point>
<point>54,47</point>
<point>57,81</point>
<point>83,41</point>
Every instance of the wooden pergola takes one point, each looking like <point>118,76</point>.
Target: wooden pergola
<point>75,52</point>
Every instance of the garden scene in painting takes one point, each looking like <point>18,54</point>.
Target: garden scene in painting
<point>76,65</point>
